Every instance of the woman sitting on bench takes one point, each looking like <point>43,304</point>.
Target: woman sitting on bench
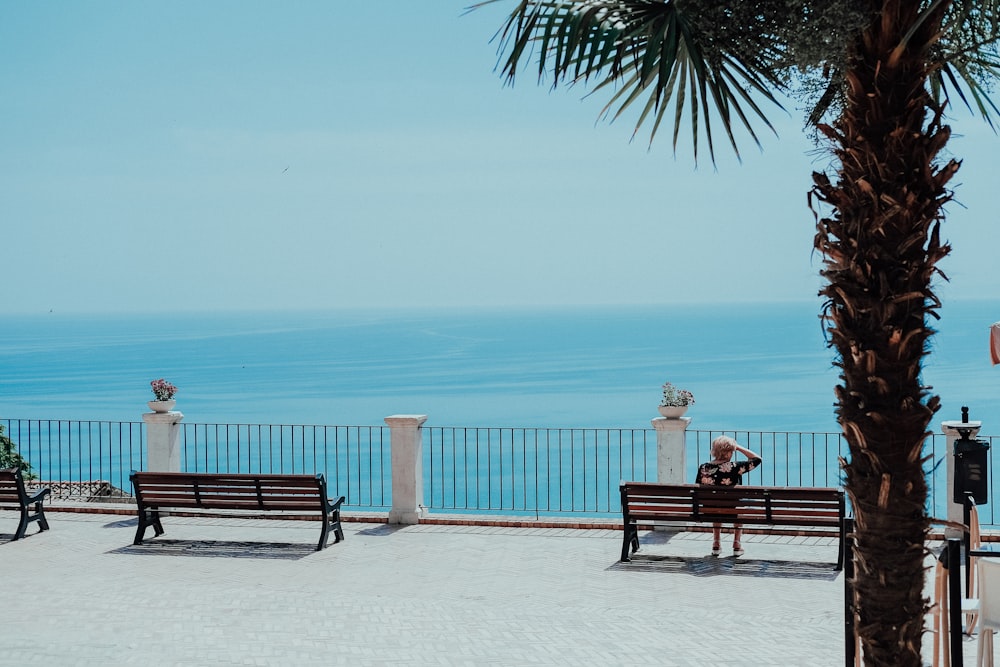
<point>723,471</point>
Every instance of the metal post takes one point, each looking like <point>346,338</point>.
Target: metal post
<point>955,599</point>
<point>967,541</point>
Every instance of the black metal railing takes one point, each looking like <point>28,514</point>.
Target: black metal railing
<point>533,470</point>
<point>790,458</point>
<point>539,471</point>
<point>75,453</point>
<point>354,459</point>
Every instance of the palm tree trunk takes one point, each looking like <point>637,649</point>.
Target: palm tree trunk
<point>881,246</point>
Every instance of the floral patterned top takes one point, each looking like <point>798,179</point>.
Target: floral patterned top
<point>725,473</point>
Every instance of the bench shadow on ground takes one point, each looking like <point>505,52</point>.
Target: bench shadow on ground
<point>9,537</point>
<point>218,549</point>
<point>382,530</point>
<point>703,565</point>
<point>710,566</point>
<point>199,548</point>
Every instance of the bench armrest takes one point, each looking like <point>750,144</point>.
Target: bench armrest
<point>37,496</point>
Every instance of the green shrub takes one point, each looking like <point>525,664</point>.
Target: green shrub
<point>9,457</point>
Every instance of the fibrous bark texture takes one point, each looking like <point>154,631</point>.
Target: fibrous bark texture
<point>881,245</point>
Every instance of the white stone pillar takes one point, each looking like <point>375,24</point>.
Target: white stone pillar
<point>163,441</point>
<point>671,440</point>
<point>951,429</point>
<point>407,460</point>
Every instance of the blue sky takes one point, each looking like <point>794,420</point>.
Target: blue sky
<point>313,154</point>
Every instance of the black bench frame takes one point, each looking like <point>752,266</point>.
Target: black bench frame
<point>12,492</point>
<point>240,493</point>
<point>646,503</point>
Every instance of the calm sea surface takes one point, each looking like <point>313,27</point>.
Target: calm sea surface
<point>751,367</point>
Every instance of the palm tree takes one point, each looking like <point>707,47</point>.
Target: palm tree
<point>878,76</point>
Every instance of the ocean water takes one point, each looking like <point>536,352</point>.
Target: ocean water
<point>750,366</point>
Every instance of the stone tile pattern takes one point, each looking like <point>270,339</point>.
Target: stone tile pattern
<point>228,591</point>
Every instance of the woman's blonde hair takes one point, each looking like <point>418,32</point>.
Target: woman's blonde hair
<point>723,445</point>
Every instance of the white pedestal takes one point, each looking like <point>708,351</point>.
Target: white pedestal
<point>406,444</point>
<point>671,441</point>
<point>163,441</point>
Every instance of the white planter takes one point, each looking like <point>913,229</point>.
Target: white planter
<point>161,406</point>
<point>673,411</point>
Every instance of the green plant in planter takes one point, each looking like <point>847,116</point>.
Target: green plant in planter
<point>9,457</point>
<point>674,397</point>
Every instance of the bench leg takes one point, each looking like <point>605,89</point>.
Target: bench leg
<point>43,523</point>
<point>630,538</point>
<point>338,530</point>
<point>324,534</point>
<point>147,518</point>
<point>26,518</point>
<point>22,525</point>
<point>140,532</point>
<point>333,521</point>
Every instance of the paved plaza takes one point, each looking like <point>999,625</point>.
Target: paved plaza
<point>254,592</point>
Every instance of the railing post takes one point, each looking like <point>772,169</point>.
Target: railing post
<point>956,512</point>
<point>671,441</point>
<point>163,440</point>
<point>407,461</point>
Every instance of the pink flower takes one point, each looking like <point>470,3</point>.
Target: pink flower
<point>163,390</point>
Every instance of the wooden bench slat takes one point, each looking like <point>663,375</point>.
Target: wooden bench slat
<point>228,504</point>
<point>233,490</point>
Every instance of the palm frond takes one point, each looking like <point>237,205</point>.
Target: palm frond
<point>967,57</point>
<point>644,48</point>
<point>957,79</point>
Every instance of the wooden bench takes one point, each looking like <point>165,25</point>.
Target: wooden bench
<point>237,493</point>
<point>645,503</point>
<point>13,493</point>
